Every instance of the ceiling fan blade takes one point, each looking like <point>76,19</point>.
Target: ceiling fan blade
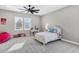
<point>24,7</point>
<point>32,8</point>
<point>31,12</point>
<point>37,10</point>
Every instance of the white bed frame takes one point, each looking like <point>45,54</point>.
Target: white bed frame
<point>46,37</point>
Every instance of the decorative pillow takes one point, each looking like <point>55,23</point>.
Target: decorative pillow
<point>49,29</point>
<point>58,29</point>
<point>53,30</point>
<point>4,36</point>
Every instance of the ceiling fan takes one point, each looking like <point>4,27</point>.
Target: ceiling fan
<point>30,9</point>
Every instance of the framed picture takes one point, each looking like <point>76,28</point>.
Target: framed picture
<point>3,21</point>
<point>18,23</point>
<point>27,23</point>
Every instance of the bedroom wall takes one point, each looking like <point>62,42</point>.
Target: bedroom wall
<point>10,16</point>
<point>68,19</point>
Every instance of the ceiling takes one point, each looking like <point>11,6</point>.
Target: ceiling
<point>44,9</point>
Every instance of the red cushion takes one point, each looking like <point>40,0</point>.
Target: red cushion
<point>4,36</point>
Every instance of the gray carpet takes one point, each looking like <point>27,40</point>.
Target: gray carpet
<point>32,46</point>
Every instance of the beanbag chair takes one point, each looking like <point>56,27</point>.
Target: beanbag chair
<point>4,36</point>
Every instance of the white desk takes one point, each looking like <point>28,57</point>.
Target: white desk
<point>33,32</point>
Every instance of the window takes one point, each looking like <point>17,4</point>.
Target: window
<point>22,23</point>
<point>18,23</point>
<point>27,23</point>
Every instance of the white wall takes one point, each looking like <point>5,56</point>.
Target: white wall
<point>68,19</point>
<point>10,16</point>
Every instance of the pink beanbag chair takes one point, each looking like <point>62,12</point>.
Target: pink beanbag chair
<point>4,36</point>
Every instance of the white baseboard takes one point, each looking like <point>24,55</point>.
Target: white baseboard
<point>70,41</point>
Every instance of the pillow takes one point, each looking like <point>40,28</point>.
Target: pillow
<point>4,36</point>
<point>58,29</point>
<point>52,29</point>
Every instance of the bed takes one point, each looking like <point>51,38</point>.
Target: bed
<point>45,37</point>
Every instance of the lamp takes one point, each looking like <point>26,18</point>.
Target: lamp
<point>46,26</point>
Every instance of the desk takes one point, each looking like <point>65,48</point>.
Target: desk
<point>33,32</point>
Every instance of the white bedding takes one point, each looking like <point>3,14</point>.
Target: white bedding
<point>46,37</point>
